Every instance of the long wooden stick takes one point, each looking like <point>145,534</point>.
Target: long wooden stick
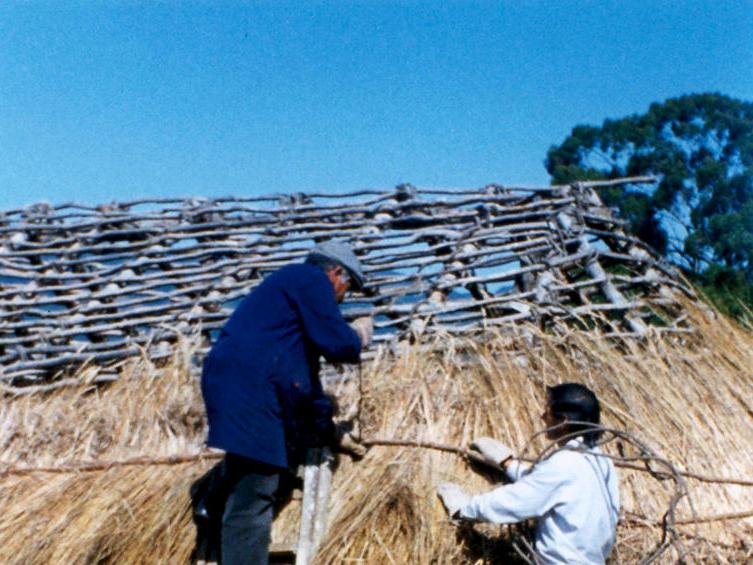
<point>98,466</point>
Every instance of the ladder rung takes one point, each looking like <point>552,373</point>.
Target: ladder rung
<point>279,550</point>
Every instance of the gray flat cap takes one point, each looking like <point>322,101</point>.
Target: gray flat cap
<point>342,253</point>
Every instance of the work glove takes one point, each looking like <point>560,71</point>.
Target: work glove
<point>364,327</point>
<point>346,442</point>
<point>453,497</point>
<point>493,452</point>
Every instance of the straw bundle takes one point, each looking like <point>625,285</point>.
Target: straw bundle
<point>689,398</point>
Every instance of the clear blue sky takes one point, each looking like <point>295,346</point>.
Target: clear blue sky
<point>104,101</point>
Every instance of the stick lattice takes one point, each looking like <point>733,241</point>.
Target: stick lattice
<point>95,285</point>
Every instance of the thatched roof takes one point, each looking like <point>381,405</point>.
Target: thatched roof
<point>98,471</point>
<point>689,399</point>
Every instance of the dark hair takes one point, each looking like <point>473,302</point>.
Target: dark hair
<point>576,403</point>
<point>324,263</point>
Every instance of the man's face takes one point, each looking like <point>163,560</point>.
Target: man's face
<point>340,282</point>
<point>550,420</point>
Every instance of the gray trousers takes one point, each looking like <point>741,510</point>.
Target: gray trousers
<point>247,519</point>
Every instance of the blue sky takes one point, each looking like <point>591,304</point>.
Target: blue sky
<point>104,101</point>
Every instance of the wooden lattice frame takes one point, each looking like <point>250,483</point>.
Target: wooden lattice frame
<point>84,284</point>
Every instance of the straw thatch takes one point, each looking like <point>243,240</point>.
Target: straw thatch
<point>688,398</point>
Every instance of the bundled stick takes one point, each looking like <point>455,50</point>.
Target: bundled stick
<point>83,285</point>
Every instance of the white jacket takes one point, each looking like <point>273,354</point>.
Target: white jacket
<point>572,493</point>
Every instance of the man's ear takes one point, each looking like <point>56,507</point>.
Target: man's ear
<point>334,273</point>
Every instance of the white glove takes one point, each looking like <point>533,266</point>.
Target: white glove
<point>346,442</point>
<point>364,327</point>
<point>453,497</point>
<point>492,451</point>
<point>349,444</point>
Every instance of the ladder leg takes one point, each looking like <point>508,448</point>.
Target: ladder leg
<point>326,463</point>
<point>308,507</point>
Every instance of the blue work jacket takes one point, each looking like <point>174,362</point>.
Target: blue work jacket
<point>260,381</point>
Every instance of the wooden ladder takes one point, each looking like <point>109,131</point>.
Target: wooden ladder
<point>317,480</point>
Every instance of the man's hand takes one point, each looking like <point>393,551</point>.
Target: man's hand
<point>364,327</point>
<point>346,442</point>
<point>453,497</point>
<point>493,452</point>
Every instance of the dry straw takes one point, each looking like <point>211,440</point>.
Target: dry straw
<point>689,398</point>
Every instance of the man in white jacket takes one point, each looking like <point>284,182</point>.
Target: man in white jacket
<point>573,493</point>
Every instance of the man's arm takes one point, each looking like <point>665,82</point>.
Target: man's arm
<point>531,496</point>
<point>323,323</point>
<point>322,412</point>
<point>515,469</point>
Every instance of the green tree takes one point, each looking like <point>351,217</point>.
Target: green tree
<point>700,215</point>
<point>700,146</point>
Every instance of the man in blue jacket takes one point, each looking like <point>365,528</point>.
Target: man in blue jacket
<point>261,387</point>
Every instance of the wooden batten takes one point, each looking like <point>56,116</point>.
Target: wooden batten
<point>97,285</point>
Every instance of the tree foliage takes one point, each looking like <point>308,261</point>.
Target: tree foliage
<point>701,148</point>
